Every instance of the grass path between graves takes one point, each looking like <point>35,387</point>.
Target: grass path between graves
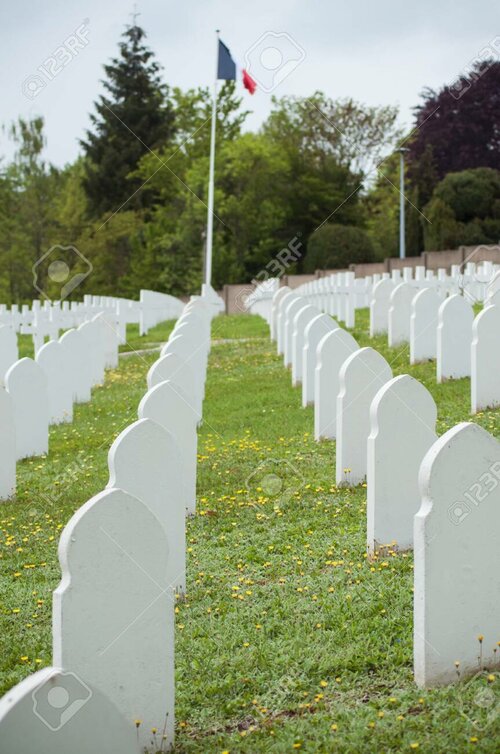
<point>289,639</point>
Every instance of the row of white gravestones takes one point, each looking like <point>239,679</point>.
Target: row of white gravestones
<point>440,496</point>
<point>42,392</point>
<point>122,558</point>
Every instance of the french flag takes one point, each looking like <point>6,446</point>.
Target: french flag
<point>226,69</point>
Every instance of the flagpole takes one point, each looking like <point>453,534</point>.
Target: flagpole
<point>211,176</point>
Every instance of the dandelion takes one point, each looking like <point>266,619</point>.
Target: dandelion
<point>323,684</point>
<point>334,727</point>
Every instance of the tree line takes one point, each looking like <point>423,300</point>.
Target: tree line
<point>320,170</point>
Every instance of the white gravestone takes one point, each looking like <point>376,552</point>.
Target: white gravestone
<point>379,307</point>
<point>292,309</point>
<point>54,711</point>
<point>302,319</point>
<point>9,353</point>
<point>26,384</point>
<point>144,461</point>
<point>403,428</point>
<point>280,320</point>
<point>77,364</point>
<point>423,325</point>
<point>457,557</point>
<point>113,611</point>
<point>485,360</point>
<point>361,376</point>
<point>314,332</point>
<point>333,349</point>
<point>190,345</point>
<point>167,404</point>
<point>454,338</point>
<point>53,360</point>
<point>193,328</point>
<point>93,337</point>
<point>173,367</point>
<point>400,314</point>
<point>186,349</point>
<point>110,330</point>
<point>7,446</point>
<point>280,293</point>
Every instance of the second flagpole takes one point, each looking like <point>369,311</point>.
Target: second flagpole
<point>211,175</point>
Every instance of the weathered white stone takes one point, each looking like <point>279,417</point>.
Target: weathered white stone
<point>403,428</point>
<point>144,461</point>
<point>7,446</point>
<point>186,348</point>
<point>493,299</point>
<point>280,320</point>
<point>333,349</point>
<point>167,404</point>
<point>454,338</point>
<point>77,357</point>
<point>113,609</point>
<point>457,557</point>
<point>314,332</point>
<point>423,325</point>
<point>188,345</point>
<point>361,376</point>
<point>52,359</point>
<point>493,287</point>
<point>292,309</point>
<point>379,307</point>
<point>301,320</point>
<point>173,367</point>
<point>54,711</point>
<point>8,350</point>
<point>92,333</point>
<point>400,314</point>
<point>485,360</point>
<point>193,327</point>
<point>26,384</point>
<point>110,335</point>
<point>280,293</point>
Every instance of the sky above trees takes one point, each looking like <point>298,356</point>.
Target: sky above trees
<point>380,53</point>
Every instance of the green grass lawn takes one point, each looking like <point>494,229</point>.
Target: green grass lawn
<point>289,638</point>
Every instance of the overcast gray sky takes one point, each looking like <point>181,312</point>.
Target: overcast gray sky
<point>377,51</point>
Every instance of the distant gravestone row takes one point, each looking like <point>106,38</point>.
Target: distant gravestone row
<point>40,392</point>
<point>122,558</point>
<point>430,313</point>
<point>439,496</point>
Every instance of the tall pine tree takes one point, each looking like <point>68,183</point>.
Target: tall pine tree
<point>136,114</point>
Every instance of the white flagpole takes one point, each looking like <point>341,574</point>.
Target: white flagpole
<point>210,210</point>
